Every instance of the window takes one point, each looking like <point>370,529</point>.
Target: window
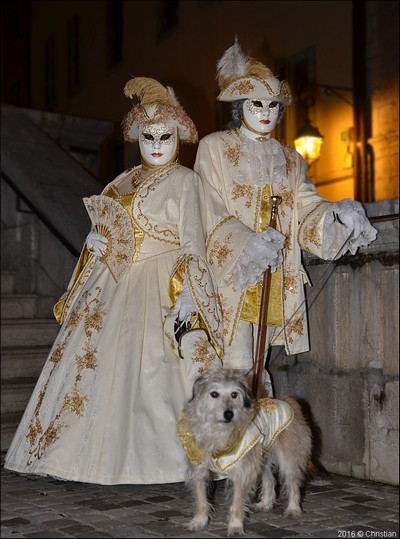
<point>49,73</point>
<point>73,54</point>
<point>15,19</point>
<point>116,28</point>
<point>15,94</point>
<point>168,18</point>
<point>299,71</point>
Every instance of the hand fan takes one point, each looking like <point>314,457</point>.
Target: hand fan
<point>110,219</point>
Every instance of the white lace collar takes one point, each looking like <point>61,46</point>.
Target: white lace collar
<point>261,162</point>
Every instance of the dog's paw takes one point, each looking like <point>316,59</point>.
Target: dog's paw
<point>263,506</point>
<point>235,531</point>
<point>293,512</point>
<point>235,527</point>
<point>197,523</point>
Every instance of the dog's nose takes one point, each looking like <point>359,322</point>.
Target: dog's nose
<point>228,415</point>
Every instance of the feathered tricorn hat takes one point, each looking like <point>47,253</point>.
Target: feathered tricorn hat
<point>153,103</point>
<point>242,77</point>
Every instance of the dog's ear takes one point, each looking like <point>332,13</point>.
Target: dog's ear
<point>197,387</point>
<point>247,400</point>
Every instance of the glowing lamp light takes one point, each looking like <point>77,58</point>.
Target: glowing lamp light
<point>308,142</point>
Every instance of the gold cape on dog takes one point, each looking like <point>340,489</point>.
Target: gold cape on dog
<point>270,418</point>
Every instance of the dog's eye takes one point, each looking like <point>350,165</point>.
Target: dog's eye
<point>234,394</point>
<point>214,394</point>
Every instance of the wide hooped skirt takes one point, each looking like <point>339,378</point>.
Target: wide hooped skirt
<point>105,406</point>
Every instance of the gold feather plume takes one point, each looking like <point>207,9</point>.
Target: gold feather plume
<point>148,91</point>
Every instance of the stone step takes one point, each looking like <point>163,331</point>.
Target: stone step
<point>29,332</point>
<point>21,362</point>
<point>15,394</point>
<point>7,281</point>
<point>9,424</point>
<point>18,306</point>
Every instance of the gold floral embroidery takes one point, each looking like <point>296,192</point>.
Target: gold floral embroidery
<point>123,241</point>
<point>227,313</point>
<point>289,283</point>
<point>312,233</point>
<point>121,257</point>
<point>242,87</point>
<point>91,311</point>
<point>203,355</point>
<point>57,353</point>
<point>208,304</point>
<point>295,325</point>
<point>232,151</point>
<point>288,241</point>
<point>87,360</point>
<point>268,404</point>
<point>290,160</point>
<point>287,201</point>
<point>221,251</point>
<point>239,191</point>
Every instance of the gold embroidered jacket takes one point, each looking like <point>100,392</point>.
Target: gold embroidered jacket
<point>166,213</point>
<point>301,217</point>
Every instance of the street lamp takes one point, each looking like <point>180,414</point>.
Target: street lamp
<point>308,142</point>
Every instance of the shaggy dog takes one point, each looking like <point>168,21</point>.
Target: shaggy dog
<point>226,432</point>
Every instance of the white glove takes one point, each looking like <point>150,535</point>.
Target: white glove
<point>184,306</point>
<point>352,215</point>
<point>96,244</point>
<point>262,250</point>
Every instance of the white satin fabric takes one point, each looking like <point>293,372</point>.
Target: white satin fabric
<point>105,406</point>
<point>240,170</point>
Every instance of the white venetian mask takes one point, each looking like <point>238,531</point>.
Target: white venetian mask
<point>158,143</point>
<point>260,115</point>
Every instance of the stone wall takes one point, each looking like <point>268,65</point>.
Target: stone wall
<point>39,261</point>
<point>349,379</point>
<point>45,175</point>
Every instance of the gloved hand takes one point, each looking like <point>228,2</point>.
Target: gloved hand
<point>184,307</point>
<point>352,215</point>
<point>262,250</point>
<point>96,244</point>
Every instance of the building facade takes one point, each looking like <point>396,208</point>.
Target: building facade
<point>340,58</point>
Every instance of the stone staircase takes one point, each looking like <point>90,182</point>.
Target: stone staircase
<point>25,345</point>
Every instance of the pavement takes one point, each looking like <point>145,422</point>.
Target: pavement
<point>333,506</point>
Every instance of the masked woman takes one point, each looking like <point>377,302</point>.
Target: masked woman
<point>105,405</point>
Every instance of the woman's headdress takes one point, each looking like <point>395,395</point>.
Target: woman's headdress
<point>154,103</point>
<point>242,77</point>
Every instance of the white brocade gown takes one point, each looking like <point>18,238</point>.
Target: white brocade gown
<point>105,407</point>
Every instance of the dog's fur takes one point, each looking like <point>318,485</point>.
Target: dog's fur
<point>221,404</point>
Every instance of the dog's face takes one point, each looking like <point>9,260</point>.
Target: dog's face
<point>221,397</point>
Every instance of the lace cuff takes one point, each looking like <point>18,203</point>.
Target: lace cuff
<point>262,250</point>
<point>350,214</point>
<point>184,306</point>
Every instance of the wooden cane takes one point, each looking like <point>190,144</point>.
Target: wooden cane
<point>262,322</point>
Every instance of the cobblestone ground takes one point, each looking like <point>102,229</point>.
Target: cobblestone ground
<point>334,506</point>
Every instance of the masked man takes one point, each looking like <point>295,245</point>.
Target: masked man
<point>246,166</point>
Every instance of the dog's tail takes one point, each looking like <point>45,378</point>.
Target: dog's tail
<point>311,470</point>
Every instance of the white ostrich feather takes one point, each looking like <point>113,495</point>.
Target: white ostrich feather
<point>172,95</point>
<point>233,63</point>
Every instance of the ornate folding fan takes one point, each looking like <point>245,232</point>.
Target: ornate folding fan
<point>111,220</point>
